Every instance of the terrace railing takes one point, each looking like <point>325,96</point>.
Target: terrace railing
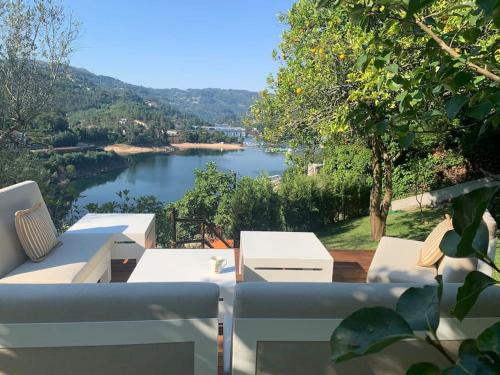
<point>208,232</point>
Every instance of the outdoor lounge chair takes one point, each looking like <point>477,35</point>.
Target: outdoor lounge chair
<point>395,261</point>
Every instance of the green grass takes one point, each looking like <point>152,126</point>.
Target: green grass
<point>354,234</point>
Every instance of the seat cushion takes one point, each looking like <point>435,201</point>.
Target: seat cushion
<point>395,261</point>
<point>71,262</point>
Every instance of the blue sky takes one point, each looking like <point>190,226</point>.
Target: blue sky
<point>182,44</point>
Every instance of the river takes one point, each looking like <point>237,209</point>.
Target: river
<point>169,176</point>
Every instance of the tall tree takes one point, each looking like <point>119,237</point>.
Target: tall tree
<point>36,40</point>
<point>362,70</point>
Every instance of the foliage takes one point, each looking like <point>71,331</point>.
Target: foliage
<point>418,308</point>
<point>436,170</point>
<point>254,205</point>
<point>65,139</point>
<point>36,39</point>
<point>204,136</point>
<point>380,74</point>
<point>145,204</point>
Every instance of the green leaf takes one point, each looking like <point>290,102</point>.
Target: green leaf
<point>406,140</point>
<point>415,6</point>
<point>461,79</point>
<point>469,235</point>
<point>366,331</point>
<point>481,111</point>
<point>472,361</point>
<point>454,105</point>
<point>420,307</point>
<point>423,368</point>
<point>487,6</point>
<point>468,293</point>
<point>489,340</point>
<point>361,62</point>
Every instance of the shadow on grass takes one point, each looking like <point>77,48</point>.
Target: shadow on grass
<point>355,234</point>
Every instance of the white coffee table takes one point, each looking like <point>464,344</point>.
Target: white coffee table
<point>133,233</point>
<point>189,265</point>
<point>284,256</point>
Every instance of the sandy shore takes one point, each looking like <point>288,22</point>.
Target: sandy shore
<point>122,149</point>
<point>209,146</point>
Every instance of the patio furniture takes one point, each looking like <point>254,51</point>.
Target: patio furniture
<point>284,256</point>
<point>133,233</point>
<point>285,328</point>
<point>80,258</point>
<point>114,329</point>
<point>188,265</point>
<point>395,261</point>
<point>193,265</point>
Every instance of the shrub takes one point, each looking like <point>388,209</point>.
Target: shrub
<point>307,202</point>
<point>254,205</point>
<point>65,139</point>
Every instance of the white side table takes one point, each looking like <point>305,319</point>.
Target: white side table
<point>284,256</point>
<point>133,233</point>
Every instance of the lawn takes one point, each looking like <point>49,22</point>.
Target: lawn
<point>355,234</point>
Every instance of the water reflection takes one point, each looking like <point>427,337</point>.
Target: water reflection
<point>168,177</point>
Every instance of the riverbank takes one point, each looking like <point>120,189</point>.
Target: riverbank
<point>208,146</point>
<point>124,150</point>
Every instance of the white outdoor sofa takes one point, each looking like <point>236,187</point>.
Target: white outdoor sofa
<point>112,329</point>
<point>81,258</point>
<point>395,261</point>
<point>285,328</point>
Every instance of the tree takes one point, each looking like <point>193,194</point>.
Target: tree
<point>36,40</point>
<point>361,70</point>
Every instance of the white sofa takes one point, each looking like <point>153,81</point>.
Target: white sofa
<point>81,257</point>
<point>285,328</point>
<point>112,329</point>
<point>395,261</point>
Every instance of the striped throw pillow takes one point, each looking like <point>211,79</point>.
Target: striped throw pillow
<point>36,232</point>
<point>431,253</point>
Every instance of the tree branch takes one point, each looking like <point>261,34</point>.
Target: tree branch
<point>485,72</point>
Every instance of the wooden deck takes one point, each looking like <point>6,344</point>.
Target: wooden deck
<point>349,266</point>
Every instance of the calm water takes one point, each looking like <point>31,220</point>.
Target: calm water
<point>168,177</point>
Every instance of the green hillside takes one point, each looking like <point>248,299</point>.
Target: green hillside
<point>211,105</point>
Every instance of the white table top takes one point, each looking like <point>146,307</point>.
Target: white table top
<point>280,245</point>
<point>184,265</point>
<point>114,223</point>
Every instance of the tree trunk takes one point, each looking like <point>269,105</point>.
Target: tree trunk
<point>381,193</point>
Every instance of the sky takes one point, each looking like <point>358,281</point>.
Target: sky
<point>182,44</point>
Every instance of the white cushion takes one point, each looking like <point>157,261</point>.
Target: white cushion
<point>395,261</point>
<point>71,262</point>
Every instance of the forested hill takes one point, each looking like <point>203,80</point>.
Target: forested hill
<point>211,105</point>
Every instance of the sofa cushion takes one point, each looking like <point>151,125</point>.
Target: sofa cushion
<point>431,253</point>
<point>14,198</point>
<point>395,261</point>
<point>35,230</point>
<point>94,302</point>
<point>71,262</point>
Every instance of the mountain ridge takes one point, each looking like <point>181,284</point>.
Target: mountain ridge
<point>213,105</point>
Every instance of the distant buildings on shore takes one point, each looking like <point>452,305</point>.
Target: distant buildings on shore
<point>229,131</point>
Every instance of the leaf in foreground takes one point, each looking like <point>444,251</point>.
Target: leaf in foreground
<point>475,283</point>
<point>423,368</point>
<point>489,340</point>
<point>366,331</point>
<point>473,361</point>
<point>420,307</point>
